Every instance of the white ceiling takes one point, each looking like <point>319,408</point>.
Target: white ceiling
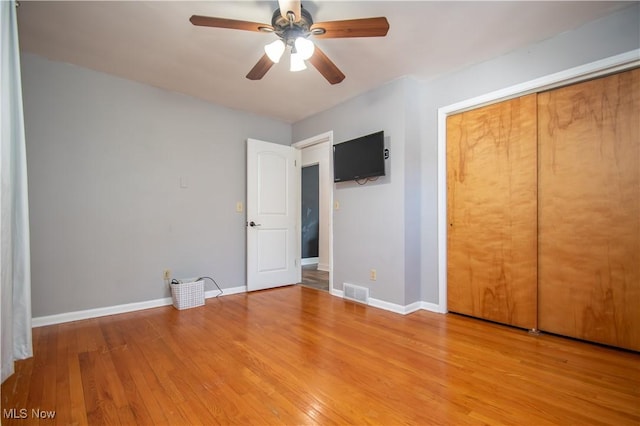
<point>154,43</point>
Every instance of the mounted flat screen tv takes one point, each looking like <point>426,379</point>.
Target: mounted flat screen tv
<point>359,158</point>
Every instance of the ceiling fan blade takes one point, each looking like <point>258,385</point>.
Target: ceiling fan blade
<point>260,69</point>
<point>327,68</point>
<point>290,6</point>
<point>210,21</point>
<point>365,27</point>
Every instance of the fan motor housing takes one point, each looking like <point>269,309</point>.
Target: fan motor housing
<point>288,30</point>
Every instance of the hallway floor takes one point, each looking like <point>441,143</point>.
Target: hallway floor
<point>312,277</point>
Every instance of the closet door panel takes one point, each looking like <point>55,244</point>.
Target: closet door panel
<point>491,211</point>
<point>589,210</point>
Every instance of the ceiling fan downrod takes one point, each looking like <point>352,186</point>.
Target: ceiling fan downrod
<point>288,29</point>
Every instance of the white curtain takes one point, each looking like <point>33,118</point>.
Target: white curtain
<point>15,268</point>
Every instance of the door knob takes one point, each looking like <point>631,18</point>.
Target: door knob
<point>252,224</point>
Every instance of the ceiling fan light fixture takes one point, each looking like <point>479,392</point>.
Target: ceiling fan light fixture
<point>275,50</point>
<point>297,63</point>
<point>304,47</point>
<point>294,26</point>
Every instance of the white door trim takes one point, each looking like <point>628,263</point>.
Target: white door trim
<point>608,65</point>
<point>315,140</point>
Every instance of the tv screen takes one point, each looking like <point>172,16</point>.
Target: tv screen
<point>359,158</point>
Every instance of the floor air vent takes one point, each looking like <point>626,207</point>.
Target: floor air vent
<point>356,293</point>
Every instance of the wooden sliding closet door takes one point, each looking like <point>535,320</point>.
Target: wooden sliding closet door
<point>491,211</point>
<point>589,210</point>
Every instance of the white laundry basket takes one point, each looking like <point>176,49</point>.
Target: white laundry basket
<point>187,293</point>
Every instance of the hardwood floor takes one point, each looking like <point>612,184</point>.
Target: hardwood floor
<point>312,277</point>
<point>294,356</point>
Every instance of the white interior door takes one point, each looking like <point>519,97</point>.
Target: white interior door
<point>273,215</point>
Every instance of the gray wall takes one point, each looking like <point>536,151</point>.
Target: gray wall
<point>105,160</point>
<point>369,229</point>
<point>376,224</point>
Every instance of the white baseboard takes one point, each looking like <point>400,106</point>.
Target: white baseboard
<point>166,301</point>
<point>387,306</point>
<point>121,309</point>
<point>309,261</point>
<point>432,307</point>
<point>412,307</point>
<point>225,291</point>
<point>395,308</point>
<point>406,309</point>
<point>323,267</point>
<point>337,293</point>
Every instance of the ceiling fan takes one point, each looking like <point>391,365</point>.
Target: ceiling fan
<point>294,26</point>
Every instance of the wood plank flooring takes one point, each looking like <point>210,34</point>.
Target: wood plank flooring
<point>312,277</point>
<point>295,356</point>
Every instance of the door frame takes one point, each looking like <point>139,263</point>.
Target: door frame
<point>315,140</point>
<point>591,70</point>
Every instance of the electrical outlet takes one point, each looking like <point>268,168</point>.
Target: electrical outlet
<point>239,207</point>
<point>373,275</point>
<point>166,274</point>
<point>336,205</point>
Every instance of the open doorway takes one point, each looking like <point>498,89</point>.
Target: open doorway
<point>310,212</point>
<point>310,229</point>
<point>316,216</point>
